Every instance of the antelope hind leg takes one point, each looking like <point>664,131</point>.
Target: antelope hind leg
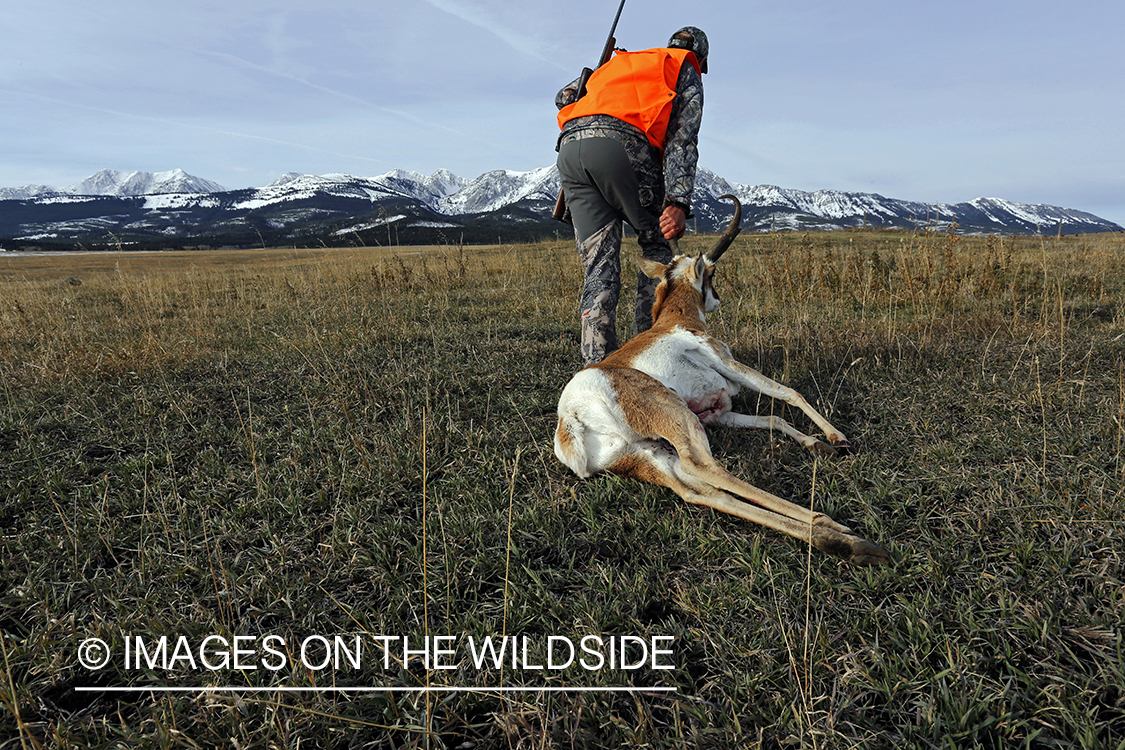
<point>816,528</point>
<point>690,465</point>
<point>822,532</point>
<point>658,464</point>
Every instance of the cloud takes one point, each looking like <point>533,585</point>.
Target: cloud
<point>521,42</point>
<point>200,127</point>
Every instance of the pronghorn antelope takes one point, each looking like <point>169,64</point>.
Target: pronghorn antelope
<point>641,411</point>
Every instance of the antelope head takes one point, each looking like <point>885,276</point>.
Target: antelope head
<point>698,272</point>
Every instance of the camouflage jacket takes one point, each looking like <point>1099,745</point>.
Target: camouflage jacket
<point>681,143</point>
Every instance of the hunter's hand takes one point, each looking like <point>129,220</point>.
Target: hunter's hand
<point>673,222</point>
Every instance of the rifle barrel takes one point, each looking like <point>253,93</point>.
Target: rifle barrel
<point>608,48</point>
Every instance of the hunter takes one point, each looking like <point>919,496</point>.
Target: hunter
<point>628,152</point>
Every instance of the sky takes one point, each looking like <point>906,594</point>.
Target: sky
<point>935,102</point>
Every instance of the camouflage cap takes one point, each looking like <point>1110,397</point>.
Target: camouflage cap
<point>689,37</point>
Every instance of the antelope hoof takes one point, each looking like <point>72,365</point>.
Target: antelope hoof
<point>843,447</point>
<point>821,448</point>
<point>856,550</point>
<point>866,553</point>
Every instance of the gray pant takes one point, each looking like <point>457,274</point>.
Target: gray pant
<point>602,190</point>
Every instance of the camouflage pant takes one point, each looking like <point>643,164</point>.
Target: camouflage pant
<point>601,257</point>
<point>605,182</point>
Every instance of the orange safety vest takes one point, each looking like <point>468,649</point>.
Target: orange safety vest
<point>636,87</point>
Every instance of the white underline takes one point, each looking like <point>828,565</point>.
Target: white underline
<point>431,689</point>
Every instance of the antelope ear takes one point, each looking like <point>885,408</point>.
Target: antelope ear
<point>700,268</point>
<point>652,268</point>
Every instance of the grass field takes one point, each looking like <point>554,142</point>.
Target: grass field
<point>347,444</point>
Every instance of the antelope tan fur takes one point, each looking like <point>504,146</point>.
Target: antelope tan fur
<point>641,411</point>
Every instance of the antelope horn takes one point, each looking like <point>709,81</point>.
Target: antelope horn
<point>732,231</point>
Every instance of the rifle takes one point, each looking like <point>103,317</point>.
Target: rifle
<point>607,52</point>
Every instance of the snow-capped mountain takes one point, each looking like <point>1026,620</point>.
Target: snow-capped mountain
<point>409,208</point>
<point>495,190</point>
<point>26,192</point>
<point>112,182</point>
<point>768,207</point>
<point>396,184</point>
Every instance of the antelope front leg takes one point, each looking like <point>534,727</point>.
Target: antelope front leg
<point>755,380</point>
<point>819,447</point>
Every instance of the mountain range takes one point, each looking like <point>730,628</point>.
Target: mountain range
<point>175,209</point>
<point>120,184</point>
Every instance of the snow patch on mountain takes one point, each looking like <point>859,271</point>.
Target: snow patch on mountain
<point>180,200</point>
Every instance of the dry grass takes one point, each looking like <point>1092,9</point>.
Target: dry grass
<point>358,442</point>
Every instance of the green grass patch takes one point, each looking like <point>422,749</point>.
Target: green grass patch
<point>357,443</point>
